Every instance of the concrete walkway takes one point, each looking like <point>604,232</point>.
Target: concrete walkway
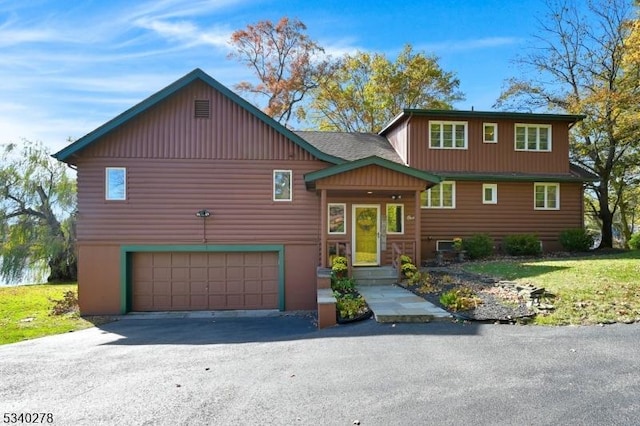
<point>391,303</point>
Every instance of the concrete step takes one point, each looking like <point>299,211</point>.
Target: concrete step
<point>380,275</point>
<point>393,304</point>
<point>375,281</point>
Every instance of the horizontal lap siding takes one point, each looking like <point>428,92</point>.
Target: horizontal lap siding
<point>514,214</point>
<point>371,177</point>
<point>488,157</point>
<point>164,195</point>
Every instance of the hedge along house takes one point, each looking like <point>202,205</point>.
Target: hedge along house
<point>196,200</point>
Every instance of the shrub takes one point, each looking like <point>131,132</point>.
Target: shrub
<point>339,266</point>
<point>578,239</point>
<point>522,245</point>
<point>634,241</point>
<point>478,246</point>
<point>408,269</point>
<point>69,304</point>
<point>349,306</point>
<point>405,259</point>
<point>461,299</point>
<point>343,285</point>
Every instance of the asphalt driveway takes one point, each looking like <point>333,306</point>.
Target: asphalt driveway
<point>282,370</point>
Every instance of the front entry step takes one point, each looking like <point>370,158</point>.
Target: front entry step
<point>374,275</point>
<point>393,304</point>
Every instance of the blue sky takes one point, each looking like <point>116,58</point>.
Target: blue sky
<point>68,66</point>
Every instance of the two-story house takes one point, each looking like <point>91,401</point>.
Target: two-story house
<point>194,199</point>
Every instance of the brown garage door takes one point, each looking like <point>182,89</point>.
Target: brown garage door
<point>204,281</point>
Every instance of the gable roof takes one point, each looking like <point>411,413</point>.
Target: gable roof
<point>197,74</point>
<point>311,177</point>
<point>489,115</point>
<point>352,146</point>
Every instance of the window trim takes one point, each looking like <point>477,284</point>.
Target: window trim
<point>344,219</point>
<point>495,133</point>
<point>494,193</point>
<point>443,122</point>
<point>526,144</point>
<point>401,205</point>
<point>107,196</point>
<point>428,197</point>
<point>546,197</point>
<point>290,172</point>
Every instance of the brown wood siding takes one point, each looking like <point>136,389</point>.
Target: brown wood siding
<point>514,214</point>
<point>488,157</point>
<point>169,130</point>
<point>164,195</point>
<point>371,177</point>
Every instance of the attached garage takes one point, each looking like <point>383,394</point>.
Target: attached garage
<point>204,280</point>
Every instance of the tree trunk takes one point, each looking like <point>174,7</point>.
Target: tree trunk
<point>64,268</point>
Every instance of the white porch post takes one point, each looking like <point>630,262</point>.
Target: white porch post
<point>323,228</point>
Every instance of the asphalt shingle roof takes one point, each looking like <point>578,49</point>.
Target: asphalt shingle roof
<point>351,146</point>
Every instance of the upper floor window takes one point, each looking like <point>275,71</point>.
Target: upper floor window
<point>546,196</point>
<point>489,193</point>
<point>395,218</point>
<point>442,196</point>
<point>490,132</point>
<point>115,183</point>
<point>533,137</point>
<point>448,134</point>
<point>282,190</point>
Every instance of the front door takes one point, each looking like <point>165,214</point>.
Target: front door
<point>366,235</point>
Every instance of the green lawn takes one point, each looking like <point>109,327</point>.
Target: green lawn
<point>25,312</point>
<point>589,290</point>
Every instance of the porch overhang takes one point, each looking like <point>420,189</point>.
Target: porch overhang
<point>371,172</point>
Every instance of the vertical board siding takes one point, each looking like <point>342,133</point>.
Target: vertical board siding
<point>169,130</point>
<point>164,195</point>
<point>514,214</point>
<point>488,157</point>
<point>371,177</point>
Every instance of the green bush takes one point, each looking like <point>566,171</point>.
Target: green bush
<point>634,241</point>
<point>349,306</point>
<point>343,285</point>
<point>578,239</point>
<point>339,267</point>
<point>522,245</point>
<point>461,299</point>
<point>408,269</point>
<point>478,246</point>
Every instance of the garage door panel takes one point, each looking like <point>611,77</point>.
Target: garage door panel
<point>201,281</point>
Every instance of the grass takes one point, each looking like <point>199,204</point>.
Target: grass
<point>25,312</point>
<point>598,289</point>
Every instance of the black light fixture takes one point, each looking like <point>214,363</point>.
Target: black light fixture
<point>203,213</point>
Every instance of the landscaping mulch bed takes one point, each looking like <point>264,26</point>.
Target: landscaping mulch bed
<point>498,303</point>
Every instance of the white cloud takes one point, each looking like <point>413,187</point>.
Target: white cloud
<point>186,32</point>
<point>473,44</point>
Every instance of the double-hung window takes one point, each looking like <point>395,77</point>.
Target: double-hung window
<point>546,196</point>
<point>490,132</point>
<point>448,134</point>
<point>441,196</point>
<point>533,137</point>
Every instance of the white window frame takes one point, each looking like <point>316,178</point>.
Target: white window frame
<point>290,172</point>
<point>454,123</point>
<point>439,187</point>
<point>494,193</point>
<point>401,218</point>
<point>546,185</point>
<point>528,127</point>
<point>495,133</point>
<point>344,214</point>
<point>108,191</point>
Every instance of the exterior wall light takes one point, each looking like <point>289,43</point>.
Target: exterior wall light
<point>203,213</point>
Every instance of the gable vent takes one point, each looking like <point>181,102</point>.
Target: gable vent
<point>201,108</point>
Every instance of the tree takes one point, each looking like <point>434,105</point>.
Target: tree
<point>285,60</point>
<point>37,201</point>
<point>578,66</point>
<point>368,90</point>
